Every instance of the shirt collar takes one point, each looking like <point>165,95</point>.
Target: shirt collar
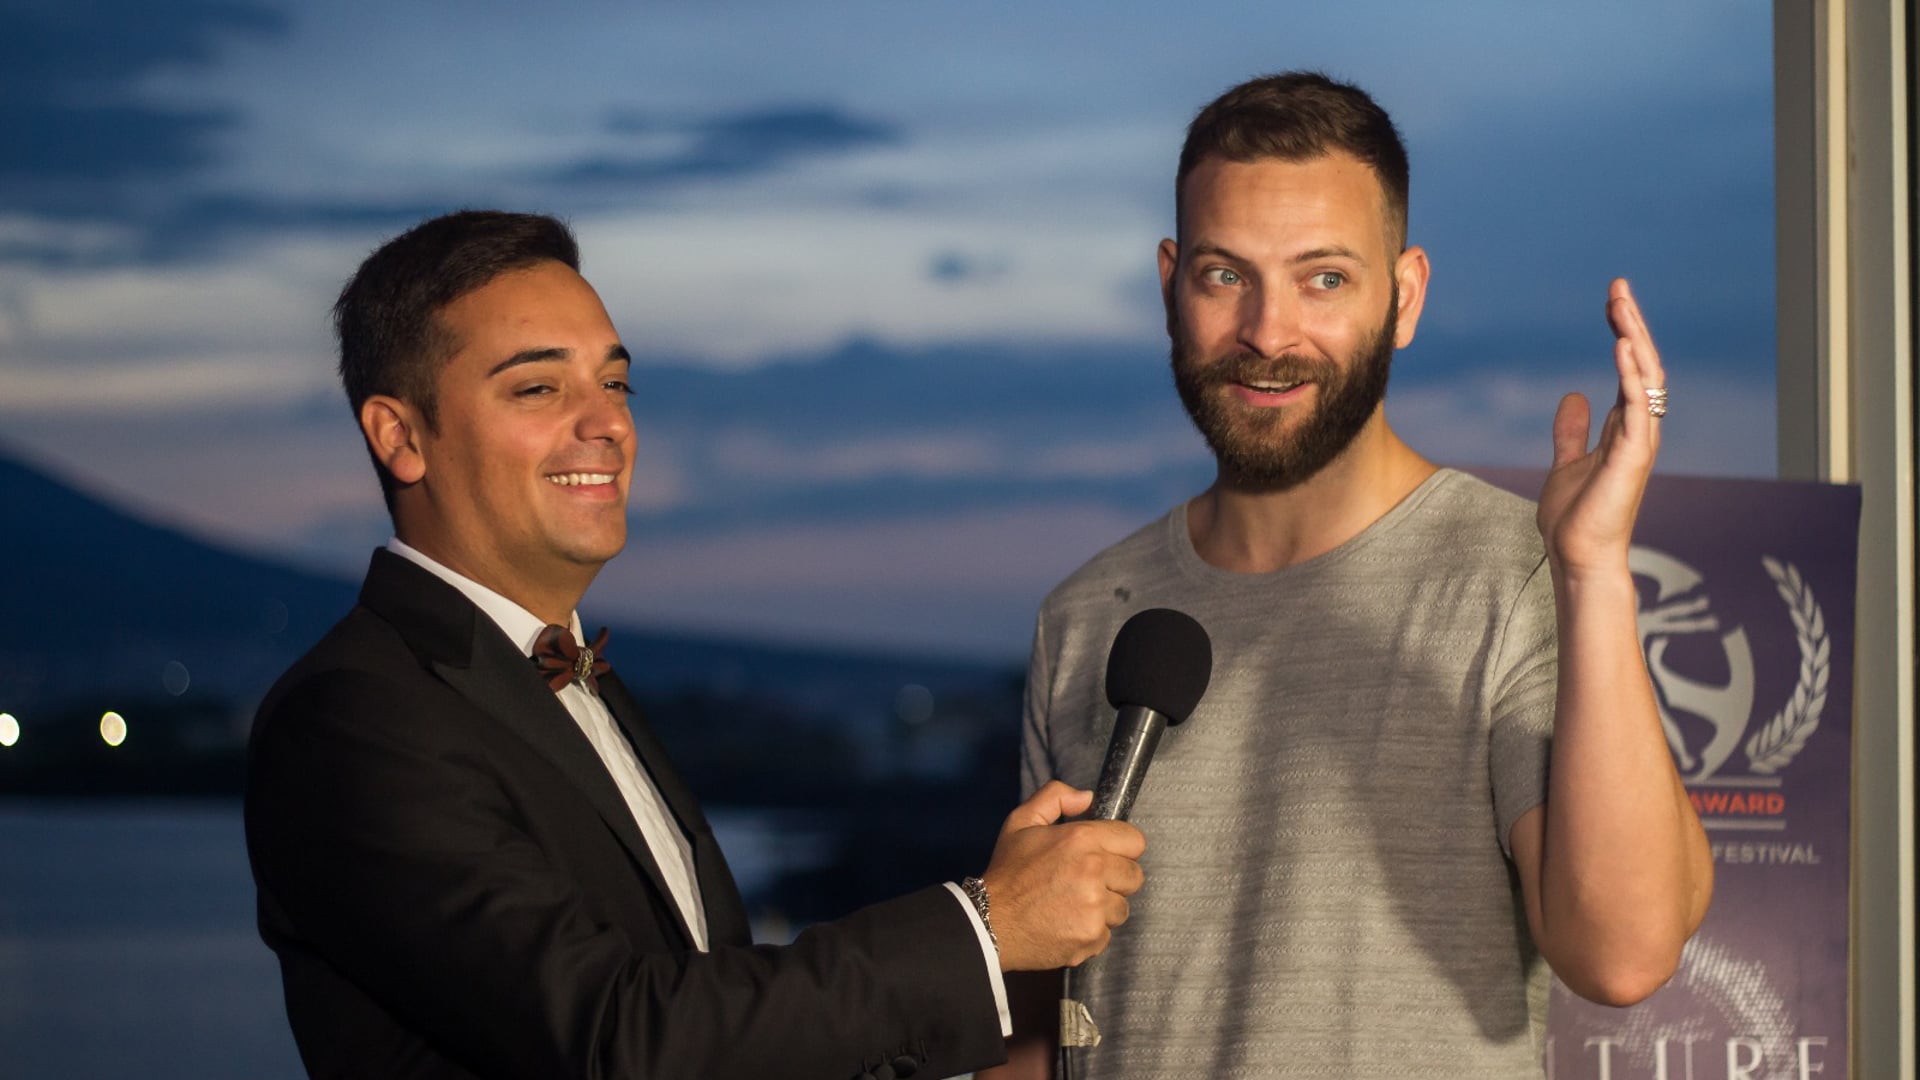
<point>520,625</point>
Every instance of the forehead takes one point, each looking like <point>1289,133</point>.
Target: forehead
<point>1334,197</point>
<point>544,305</point>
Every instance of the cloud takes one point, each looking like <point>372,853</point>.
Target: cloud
<point>741,144</point>
<point>907,455</point>
<point>951,267</point>
<point>111,186</point>
<point>156,383</point>
<point>871,295</point>
<point>1721,424</point>
<point>1018,464</point>
<point>957,581</point>
<point>738,284</point>
<point>162,340</point>
<point>84,135</point>
<point>103,170</point>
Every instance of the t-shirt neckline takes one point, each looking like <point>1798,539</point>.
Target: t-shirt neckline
<point>1180,540</point>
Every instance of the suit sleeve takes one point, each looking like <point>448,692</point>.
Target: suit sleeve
<point>387,850</point>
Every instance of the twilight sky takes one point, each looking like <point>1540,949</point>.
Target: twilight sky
<point>888,271</point>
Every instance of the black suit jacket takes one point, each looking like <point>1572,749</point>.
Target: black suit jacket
<point>455,887</point>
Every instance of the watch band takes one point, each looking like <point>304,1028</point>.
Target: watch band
<point>976,891</point>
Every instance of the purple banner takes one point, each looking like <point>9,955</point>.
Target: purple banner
<point>1746,616</point>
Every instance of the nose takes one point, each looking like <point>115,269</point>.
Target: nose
<point>1269,320</point>
<point>605,416</point>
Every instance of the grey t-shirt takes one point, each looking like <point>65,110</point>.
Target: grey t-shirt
<point>1328,892</point>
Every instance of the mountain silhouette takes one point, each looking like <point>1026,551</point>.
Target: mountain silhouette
<point>97,604</point>
<point>102,610</point>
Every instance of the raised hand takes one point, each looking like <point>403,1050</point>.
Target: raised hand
<point>1058,890</point>
<point>1590,499</point>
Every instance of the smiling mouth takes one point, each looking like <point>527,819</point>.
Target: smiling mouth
<point>581,479</point>
<point>1268,386</point>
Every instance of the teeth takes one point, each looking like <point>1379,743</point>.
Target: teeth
<point>576,479</point>
<point>1272,387</point>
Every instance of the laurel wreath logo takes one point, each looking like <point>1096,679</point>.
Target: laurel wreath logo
<point>1776,744</point>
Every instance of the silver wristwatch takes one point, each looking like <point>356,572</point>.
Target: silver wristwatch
<point>976,891</point>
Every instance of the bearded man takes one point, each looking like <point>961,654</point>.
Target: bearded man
<point>1429,767</point>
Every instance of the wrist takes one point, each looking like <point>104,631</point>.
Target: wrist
<point>976,891</point>
<point>1590,570</point>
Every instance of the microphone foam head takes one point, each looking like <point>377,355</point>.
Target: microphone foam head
<point>1161,660</point>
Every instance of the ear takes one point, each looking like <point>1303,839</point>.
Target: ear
<point>1169,262</point>
<point>1410,272</point>
<point>393,429</point>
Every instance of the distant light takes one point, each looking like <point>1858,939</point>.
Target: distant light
<point>913,704</point>
<point>113,728</point>
<point>9,729</point>
<point>174,678</point>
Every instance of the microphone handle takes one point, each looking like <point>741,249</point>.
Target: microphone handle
<point>1136,734</point>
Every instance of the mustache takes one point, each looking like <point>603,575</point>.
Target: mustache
<point>1246,367</point>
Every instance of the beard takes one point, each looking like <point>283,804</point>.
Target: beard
<point>1252,449</point>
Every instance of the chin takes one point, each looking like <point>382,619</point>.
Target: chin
<point>600,551</point>
<point>593,555</point>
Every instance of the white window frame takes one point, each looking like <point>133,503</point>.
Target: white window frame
<point>1844,281</point>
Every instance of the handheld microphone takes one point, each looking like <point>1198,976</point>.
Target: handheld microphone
<point>1157,670</point>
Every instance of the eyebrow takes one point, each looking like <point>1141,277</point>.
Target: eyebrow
<point>1332,251</point>
<point>540,356</point>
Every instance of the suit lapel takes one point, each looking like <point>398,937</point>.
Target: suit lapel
<point>653,756</point>
<point>470,653</point>
<point>726,913</point>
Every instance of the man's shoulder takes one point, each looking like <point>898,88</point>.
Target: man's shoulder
<point>1463,509</point>
<point>404,615</point>
<point>362,655</point>
<point>1146,550</point>
<point>1462,493</point>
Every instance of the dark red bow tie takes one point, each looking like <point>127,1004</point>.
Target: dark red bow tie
<point>562,660</point>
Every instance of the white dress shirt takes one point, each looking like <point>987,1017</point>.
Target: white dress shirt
<point>664,838</point>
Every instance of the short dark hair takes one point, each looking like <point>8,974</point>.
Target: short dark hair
<point>1298,116</point>
<point>387,320</point>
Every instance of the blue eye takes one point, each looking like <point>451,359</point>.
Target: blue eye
<point>1329,279</point>
<point>1220,275</point>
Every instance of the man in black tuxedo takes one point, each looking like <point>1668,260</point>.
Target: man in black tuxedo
<point>473,864</point>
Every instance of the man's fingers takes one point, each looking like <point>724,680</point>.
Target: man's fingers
<point>1570,422</point>
<point>1097,946</point>
<point>1636,421</point>
<point>1620,310</point>
<point>1641,358</point>
<point>1048,805</point>
<point>1624,314</point>
<point>1059,885</point>
<point>1116,838</point>
<point>1641,330</point>
<point>1124,877</point>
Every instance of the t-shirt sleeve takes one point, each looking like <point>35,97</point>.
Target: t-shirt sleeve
<point>1523,688</point>
<point>1036,758</point>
